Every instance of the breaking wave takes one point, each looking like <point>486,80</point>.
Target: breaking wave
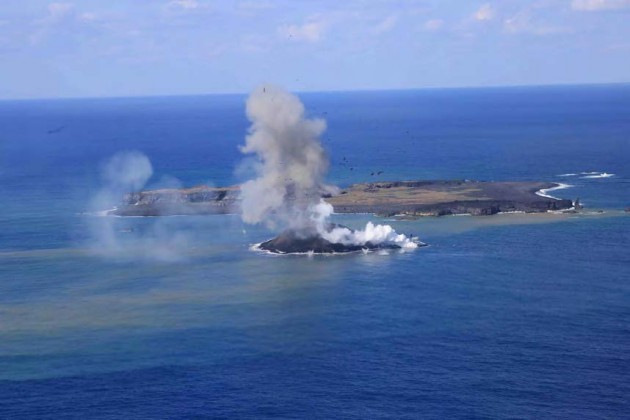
<point>545,191</point>
<point>598,175</point>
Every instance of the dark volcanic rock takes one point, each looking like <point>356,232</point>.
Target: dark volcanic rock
<point>298,242</point>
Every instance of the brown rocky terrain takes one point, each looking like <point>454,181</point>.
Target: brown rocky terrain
<point>410,198</point>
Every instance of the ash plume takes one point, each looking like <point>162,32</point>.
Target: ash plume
<point>292,162</point>
<point>291,165</point>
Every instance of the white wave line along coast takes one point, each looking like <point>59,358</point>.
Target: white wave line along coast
<point>588,175</point>
<point>598,175</point>
<point>544,192</point>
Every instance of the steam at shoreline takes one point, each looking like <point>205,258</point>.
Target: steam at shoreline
<point>113,237</point>
<point>291,165</point>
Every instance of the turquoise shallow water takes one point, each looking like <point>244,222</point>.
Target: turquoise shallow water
<point>512,315</point>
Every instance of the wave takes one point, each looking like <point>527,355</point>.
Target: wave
<point>99,213</point>
<point>544,192</point>
<point>598,175</point>
<point>557,211</point>
<point>588,175</point>
<point>310,254</point>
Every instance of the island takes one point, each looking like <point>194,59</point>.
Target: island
<point>292,242</point>
<point>403,198</point>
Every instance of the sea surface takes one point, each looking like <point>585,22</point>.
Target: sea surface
<point>508,316</point>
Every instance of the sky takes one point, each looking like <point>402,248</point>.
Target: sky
<point>93,48</point>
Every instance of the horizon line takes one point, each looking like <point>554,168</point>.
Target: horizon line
<point>358,90</point>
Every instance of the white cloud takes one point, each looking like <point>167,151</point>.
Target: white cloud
<point>184,4</point>
<point>58,15</point>
<point>386,24</point>
<point>88,17</point>
<point>618,47</point>
<point>215,50</point>
<point>256,5</point>
<point>433,24</point>
<point>485,12</point>
<point>311,31</point>
<point>180,8</point>
<point>599,5</point>
<point>522,22</point>
<point>255,44</point>
<point>59,10</point>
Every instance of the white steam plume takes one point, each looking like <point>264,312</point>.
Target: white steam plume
<point>124,172</point>
<point>122,238</point>
<point>127,171</point>
<point>374,234</point>
<point>292,165</point>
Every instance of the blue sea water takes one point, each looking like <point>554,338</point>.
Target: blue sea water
<point>506,316</point>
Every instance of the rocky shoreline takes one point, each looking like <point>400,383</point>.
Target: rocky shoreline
<point>405,198</point>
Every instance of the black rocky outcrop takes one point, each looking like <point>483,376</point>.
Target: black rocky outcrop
<point>303,241</point>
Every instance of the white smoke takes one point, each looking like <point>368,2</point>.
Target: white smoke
<point>115,237</point>
<point>291,167</point>
<point>374,234</point>
<point>124,172</point>
<point>127,171</point>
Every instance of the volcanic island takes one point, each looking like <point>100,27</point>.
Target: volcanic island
<point>395,198</point>
<point>408,199</point>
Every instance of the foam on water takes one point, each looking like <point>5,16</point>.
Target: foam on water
<point>544,192</point>
<point>599,175</point>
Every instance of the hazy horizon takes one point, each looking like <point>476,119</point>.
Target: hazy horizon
<point>299,92</point>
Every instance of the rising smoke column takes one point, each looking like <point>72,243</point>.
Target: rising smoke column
<point>117,238</point>
<point>292,162</point>
<point>291,167</point>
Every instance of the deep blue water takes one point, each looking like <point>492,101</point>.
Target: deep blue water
<point>506,316</point>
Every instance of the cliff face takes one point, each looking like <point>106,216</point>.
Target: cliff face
<point>411,198</point>
<point>197,200</point>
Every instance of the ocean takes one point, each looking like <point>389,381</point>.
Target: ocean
<point>506,316</point>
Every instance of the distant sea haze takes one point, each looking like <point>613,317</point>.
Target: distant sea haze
<point>502,316</point>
